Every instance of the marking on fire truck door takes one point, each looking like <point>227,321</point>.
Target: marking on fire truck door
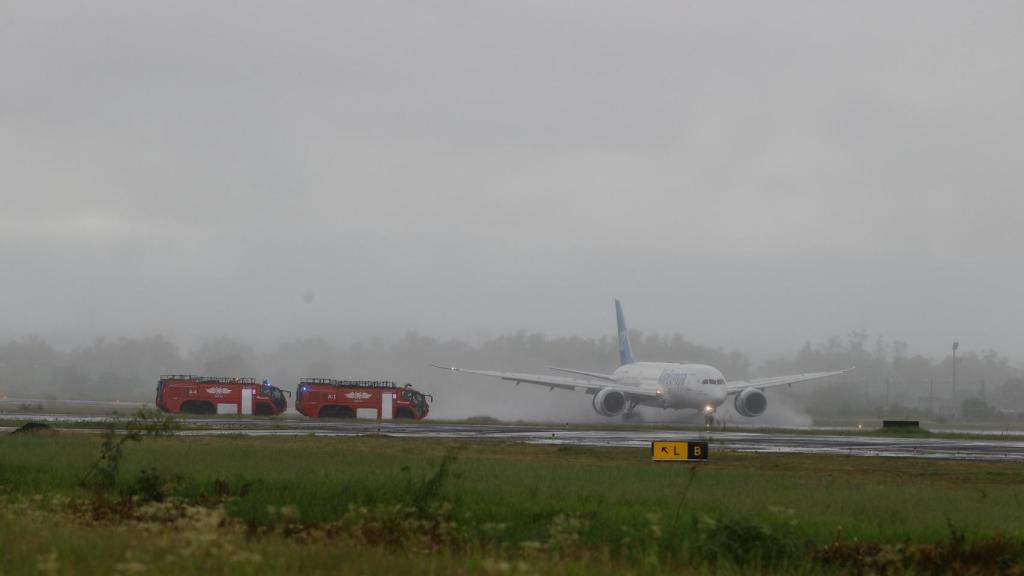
<point>227,408</point>
<point>386,402</point>
<point>366,413</point>
<point>247,394</point>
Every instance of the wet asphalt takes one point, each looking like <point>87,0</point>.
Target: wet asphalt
<point>982,447</point>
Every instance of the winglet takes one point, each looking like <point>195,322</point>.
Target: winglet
<point>625,351</point>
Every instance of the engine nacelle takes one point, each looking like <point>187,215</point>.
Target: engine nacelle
<point>751,402</point>
<point>609,402</point>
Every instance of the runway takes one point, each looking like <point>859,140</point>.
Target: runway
<point>982,447</point>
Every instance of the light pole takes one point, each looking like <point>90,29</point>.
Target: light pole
<point>955,346</point>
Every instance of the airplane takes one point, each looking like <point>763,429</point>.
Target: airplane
<point>675,386</point>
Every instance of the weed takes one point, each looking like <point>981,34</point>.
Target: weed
<point>102,474</point>
<point>150,422</point>
<point>424,496</point>
<point>224,490</point>
<point>742,543</point>
<point>149,486</point>
<point>682,497</point>
<point>954,555</point>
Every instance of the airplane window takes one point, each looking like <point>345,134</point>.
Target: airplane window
<point>721,381</point>
<point>705,381</point>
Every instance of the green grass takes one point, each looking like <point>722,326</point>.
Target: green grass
<point>557,509</point>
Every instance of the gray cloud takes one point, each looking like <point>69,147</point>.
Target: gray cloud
<point>750,175</point>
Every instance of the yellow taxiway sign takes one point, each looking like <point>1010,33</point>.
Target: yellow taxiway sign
<point>675,451</point>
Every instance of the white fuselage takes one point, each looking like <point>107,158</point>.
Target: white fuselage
<point>681,386</point>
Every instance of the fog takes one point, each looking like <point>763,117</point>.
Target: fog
<point>889,380</point>
<point>751,176</point>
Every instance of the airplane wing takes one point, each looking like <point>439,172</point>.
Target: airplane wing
<point>761,383</point>
<point>552,382</point>
<point>597,375</point>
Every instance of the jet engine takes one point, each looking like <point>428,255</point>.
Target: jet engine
<point>609,402</point>
<point>751,402</point>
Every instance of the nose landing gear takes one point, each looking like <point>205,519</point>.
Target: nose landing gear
<point>709,416</point>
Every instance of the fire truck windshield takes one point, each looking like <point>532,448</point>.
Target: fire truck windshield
<point>277,396</point>
<point>410,395</point>
<point>418,399</point>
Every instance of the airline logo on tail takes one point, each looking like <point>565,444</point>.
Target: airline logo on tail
<point>625,352</point>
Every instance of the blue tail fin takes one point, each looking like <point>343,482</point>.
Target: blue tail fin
<point>625,352</point>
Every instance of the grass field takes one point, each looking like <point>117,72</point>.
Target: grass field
<point>384,505</point>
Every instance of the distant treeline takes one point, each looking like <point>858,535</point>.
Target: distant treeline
<point>888,379</point>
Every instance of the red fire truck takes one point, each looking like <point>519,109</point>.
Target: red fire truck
<point>329,398</point>
<point>208,395</point>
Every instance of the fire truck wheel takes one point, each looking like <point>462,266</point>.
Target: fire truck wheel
<point>264,409</point>
<point>404,413</point>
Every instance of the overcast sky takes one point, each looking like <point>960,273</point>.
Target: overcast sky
<point>752,175</point>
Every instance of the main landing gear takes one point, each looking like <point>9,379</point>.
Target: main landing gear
<point>629,414</point>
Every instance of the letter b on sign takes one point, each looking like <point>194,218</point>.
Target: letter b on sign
<point>697,451</point>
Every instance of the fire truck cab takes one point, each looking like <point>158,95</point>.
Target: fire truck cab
<point>188,394</point>
<point>330,398</point>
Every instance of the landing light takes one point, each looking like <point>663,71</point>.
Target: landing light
<point>709,409</point>
<point>658,392</point>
